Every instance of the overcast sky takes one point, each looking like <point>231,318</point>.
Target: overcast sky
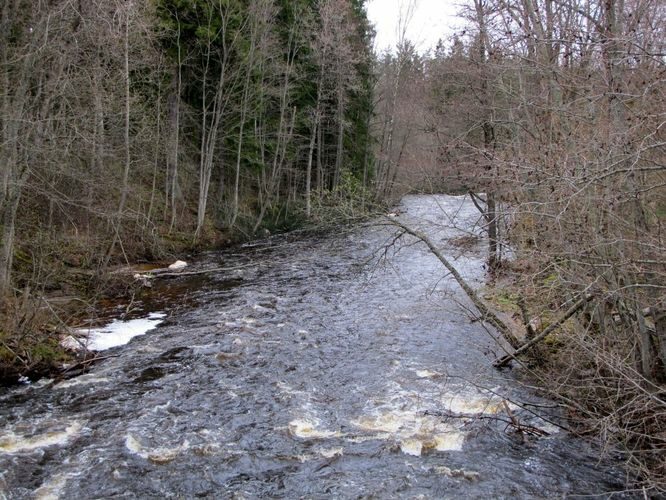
<point>432,20</point>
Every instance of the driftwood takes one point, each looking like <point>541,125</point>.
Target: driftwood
<point>486,314</point>
<point>81,367</point>
<point>577,306</point>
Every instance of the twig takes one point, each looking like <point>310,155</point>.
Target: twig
<point>475,199</point>
<point>511,422</point>
<point>85,362</point>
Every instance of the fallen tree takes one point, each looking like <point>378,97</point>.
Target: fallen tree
<point>487,314</point>
<point>577,306</point>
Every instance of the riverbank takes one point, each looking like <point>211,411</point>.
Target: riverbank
<point>35,320</point>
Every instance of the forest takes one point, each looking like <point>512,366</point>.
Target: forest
<point>136,130</point>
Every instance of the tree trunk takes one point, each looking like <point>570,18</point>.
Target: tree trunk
<point>209,145</point>
<point>486,313</point>
<point>313,141</point>
<point>234,210</point>
<point>308,171</point>
<point>8,221</point>
<point>158,149</point>
<point>577,306</point>
<point>341,138</point>
<point>488,140</point>
<point>493,260</point>
<point>659,317</point>
<point>124,190</point>
<point>98,147</point>
<point>320,163</point>
<point>241,132</point>
<point>174,146</point>
<point>647,361</point>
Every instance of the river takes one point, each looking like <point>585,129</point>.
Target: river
<point>341,366</point>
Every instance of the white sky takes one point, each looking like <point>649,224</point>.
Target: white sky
<point>432,20</point>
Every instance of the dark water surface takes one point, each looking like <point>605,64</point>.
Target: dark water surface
<point>312,371</point>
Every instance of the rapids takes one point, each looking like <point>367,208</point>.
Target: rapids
<point>339,366</point>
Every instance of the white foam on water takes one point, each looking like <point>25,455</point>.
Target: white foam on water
<point>52,488</point>
<point>412,447</point>
<point>389,423</point>
<point>118,332</point>
<point>81,380</point>
<point>331,452</point>
<point>413,430</point>
<point>475,402</point>
<point>310,429</point>
<point>159,456</point>
<point>403,415</point>
<point>13,443</point>
<point>447,471</point>
<point>410,418</point>
<point>450,441</point>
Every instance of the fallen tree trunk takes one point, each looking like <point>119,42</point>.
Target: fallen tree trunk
<point>486,314</point>
<point>577,306</point>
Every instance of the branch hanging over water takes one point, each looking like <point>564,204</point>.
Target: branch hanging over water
<point>486,314</point>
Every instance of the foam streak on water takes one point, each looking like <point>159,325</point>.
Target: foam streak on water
<point>11,442</point>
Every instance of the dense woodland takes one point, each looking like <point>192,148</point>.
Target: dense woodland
<point>131,125</point>
<point>133,129</point>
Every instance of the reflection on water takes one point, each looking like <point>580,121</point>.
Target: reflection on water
<point>313,368</point>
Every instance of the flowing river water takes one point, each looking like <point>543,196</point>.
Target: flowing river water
<point>341,366</point>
